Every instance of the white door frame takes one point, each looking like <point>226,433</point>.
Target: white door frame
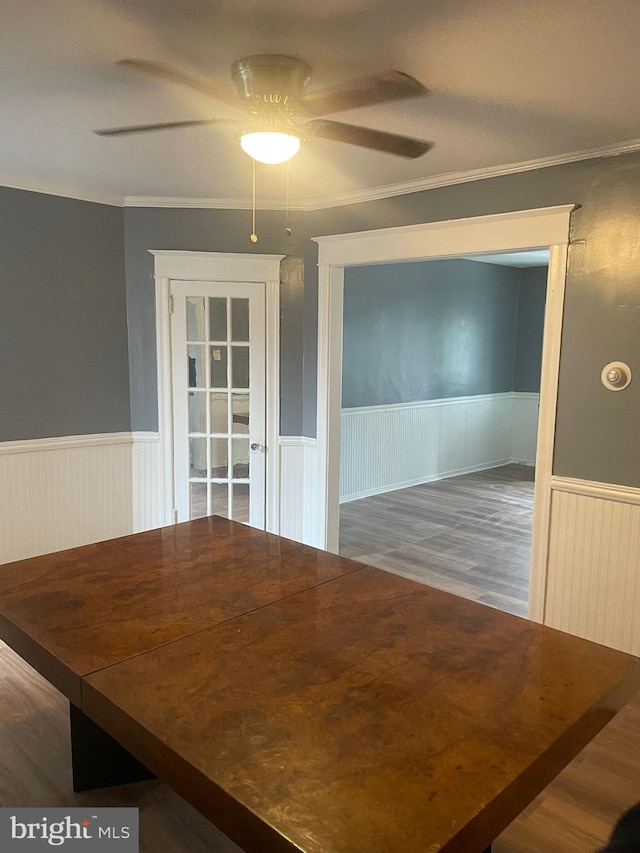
<point>503,232</point>
<point>218,266</point>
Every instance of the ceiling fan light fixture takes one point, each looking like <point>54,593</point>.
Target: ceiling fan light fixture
<point>269,146</point>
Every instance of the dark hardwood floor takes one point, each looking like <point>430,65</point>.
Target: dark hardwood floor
<point>469,535</point>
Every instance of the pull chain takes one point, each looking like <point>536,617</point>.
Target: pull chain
<point>254,236</point>
<point>287,229</point>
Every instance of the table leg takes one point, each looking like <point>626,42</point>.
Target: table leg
<point>97,760</point>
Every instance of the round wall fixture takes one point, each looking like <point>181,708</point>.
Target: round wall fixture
<point>616,375</point>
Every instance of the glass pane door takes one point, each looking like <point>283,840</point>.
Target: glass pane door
<point>218,370</point>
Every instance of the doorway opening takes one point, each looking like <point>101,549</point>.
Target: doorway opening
<point>544,228</point>
<point>440,394</point>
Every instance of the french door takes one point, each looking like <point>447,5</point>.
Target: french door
<point>218,378</point>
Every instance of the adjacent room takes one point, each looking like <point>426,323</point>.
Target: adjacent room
<point>440,395</point>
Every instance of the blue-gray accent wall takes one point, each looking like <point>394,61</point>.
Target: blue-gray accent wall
<point>63,345</point>
<point>532,292</point>
<point>438,329</point>
<point>596,430</point>
<point>210,231</point>
<point>63,323</point>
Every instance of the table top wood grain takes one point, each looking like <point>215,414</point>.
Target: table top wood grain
<point>76,611</point>
<point>368,713</point>
<point>304,702</point>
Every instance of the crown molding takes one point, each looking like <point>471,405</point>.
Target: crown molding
<point>450,178</point>
<point>388,191</point>
<point>356,197</point>
<point>207,203</point>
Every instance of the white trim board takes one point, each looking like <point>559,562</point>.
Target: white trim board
<point>528,229</point>
<point>218,266</point>
<point>64,442</point>
<point>438,402</point>
<point>593,489</point>
<point>200,266</point>
<point>538,228</point>
<point>296,441</point>
<point>209,203</point>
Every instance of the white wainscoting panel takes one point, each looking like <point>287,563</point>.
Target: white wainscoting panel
<point>524,427</point>
<point>593,575</point>
<point>393,447</point>
<point>146,477</point>
<point>292,488</point>
<point>57,493</point>
<point>313,511</point>
<point>300,516</point>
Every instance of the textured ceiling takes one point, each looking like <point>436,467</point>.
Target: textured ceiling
<point>510,81</point>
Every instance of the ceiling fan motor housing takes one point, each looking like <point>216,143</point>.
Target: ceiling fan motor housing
<point>270,77</point>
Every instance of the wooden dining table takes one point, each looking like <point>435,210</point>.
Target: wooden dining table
<point>302,701</point>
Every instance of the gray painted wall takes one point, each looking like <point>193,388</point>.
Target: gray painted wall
<point>531,303</point>
<point>63,318</point>
<point>209,231</point>
<point>596,430</point>
<point>428,330</point>
<point>63,324</point>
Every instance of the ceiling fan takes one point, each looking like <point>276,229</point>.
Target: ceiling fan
<point>272,90</point>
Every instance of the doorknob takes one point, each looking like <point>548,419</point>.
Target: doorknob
<point>255,446</point>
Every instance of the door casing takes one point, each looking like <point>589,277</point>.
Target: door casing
<point>540,228</point>
<point>229,268</point>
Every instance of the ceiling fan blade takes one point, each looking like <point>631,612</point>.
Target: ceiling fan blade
<point>200,84</point>
<point>377,89</point>
<point>166,125</point>
<point>366,137</point>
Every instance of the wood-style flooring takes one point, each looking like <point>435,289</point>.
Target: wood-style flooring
<point>572,815</point>
<point>469,535</point>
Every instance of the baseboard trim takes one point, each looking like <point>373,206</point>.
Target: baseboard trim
<point>430,479</point>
